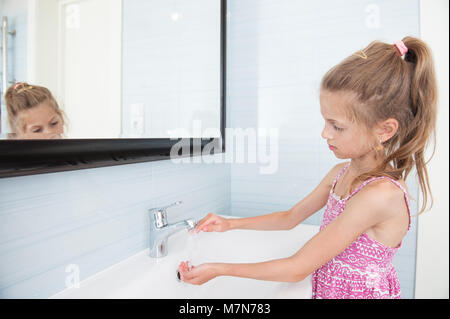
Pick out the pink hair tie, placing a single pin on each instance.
(17, 85)
(401, 47)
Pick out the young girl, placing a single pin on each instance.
(379, 107)
(33, 112)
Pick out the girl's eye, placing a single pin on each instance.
(337, 128)
(37, 130)
(54, 123)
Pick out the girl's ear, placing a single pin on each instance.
(387, 129)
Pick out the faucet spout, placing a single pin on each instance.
(159, 235)
(171, 229)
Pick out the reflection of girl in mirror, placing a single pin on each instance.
(33, 112)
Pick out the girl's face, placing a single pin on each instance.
(345, 138)
(41, 122)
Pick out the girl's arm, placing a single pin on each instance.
(369, 207)
(283, 220)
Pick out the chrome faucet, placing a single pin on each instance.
(160, 230)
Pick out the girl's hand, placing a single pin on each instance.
(213, 223)
(197, 275)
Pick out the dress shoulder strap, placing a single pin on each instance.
(342, 171)
(408, 205)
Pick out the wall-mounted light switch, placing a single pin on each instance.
(137, 119)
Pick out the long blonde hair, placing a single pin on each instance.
(388, 86)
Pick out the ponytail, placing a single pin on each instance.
(424, 97)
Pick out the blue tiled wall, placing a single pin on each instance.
(278, 52)
(93, 218)
(177, 78)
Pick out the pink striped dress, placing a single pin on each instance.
(364, 270)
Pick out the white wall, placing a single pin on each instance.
(91, 67)
(42, 44)
(433, 236)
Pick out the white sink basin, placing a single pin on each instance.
(141, 276)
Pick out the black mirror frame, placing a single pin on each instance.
(31, 157)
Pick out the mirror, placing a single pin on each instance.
(146, 69)
(134, 81)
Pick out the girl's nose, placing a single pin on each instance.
(52, 131)
(54, 136)
(325, 134)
